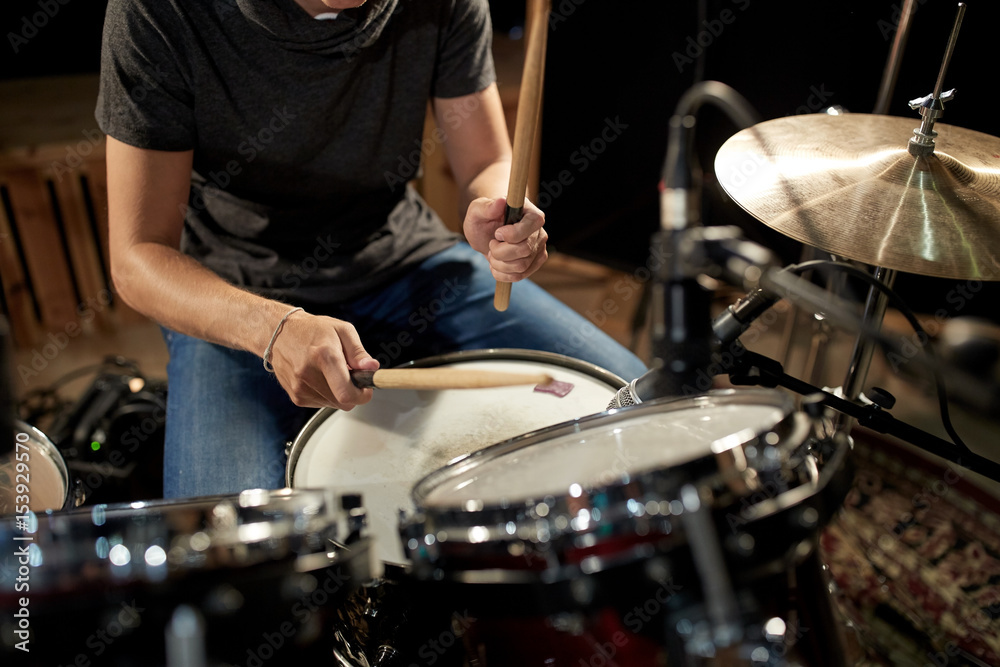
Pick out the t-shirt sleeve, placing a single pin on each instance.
(465, 56)
(145, 99)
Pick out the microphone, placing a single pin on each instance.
(727, 328)
(737, 318)
(681, 333)
(643, 388)
(682, 340)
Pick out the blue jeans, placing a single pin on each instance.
(228, 419)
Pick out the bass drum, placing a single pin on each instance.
(382, 448)
(34, 475)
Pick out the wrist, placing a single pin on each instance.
(275, 333)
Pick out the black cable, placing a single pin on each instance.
(48, 396)
(902, 307)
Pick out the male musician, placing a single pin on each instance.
(257, 158)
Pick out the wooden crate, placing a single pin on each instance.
(54, 266)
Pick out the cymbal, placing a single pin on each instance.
(847, 185)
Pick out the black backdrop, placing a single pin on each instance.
(606, 62)
(613, 65)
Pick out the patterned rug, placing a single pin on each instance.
(916, 556)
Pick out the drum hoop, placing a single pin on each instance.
(797, 514)
(480, 457)
(52, 453)
(295, 447)
(814, 499)
(325, 539)
(491, 521)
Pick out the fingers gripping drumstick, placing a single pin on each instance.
(528, 107)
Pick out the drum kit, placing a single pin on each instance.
(519, 527)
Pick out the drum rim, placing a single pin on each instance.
(295, 447)
(53, 454)
(493, 521)
(247, 499)
(326, 538)
(750, 396)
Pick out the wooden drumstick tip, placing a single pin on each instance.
(501, 297)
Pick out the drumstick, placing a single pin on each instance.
(443, 378)
(528, 108)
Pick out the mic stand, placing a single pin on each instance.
(722, 252)
(682, 327)
(682, 334)
(682, 317)
(751, 368)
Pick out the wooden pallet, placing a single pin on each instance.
(54, 267)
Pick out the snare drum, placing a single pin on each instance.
(261, 572)
(667, 530)
(382, 448)
(34, 472)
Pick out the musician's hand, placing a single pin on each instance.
(312, 359)
(515, 251)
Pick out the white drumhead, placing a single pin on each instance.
(382, 448)
(602, 453)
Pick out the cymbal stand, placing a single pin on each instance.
(922, 144)
(815, 360)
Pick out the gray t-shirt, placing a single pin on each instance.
(304, 131)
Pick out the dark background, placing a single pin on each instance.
(606, 62)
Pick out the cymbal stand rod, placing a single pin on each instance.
(932, 106)
(864, 348)
(877, 303)
(949, 50)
